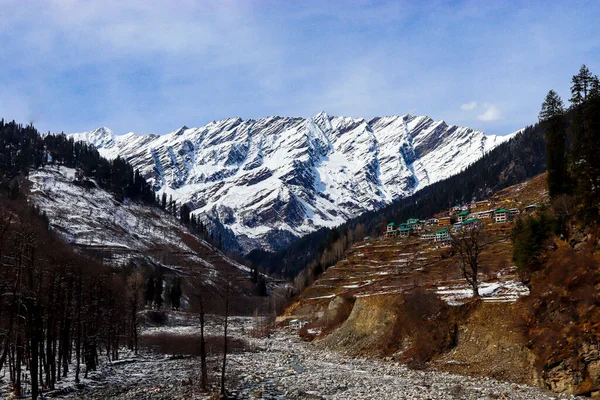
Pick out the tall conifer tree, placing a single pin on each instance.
(552, 118)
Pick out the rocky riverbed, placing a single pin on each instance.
(283, 367)
(287, 368)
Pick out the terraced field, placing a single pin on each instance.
(392, 265)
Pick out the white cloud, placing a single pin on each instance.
(469, 106)
(491, 113)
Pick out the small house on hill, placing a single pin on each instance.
(445, 221)
(485, 214)
(414, 224)
(501, 215)
(530, 208)
(297, 324)
(427, 236)
(514, 211)
(404, 231)
(463, 215)
(472, 223)
(443, 235)
(391, 230)
(483, 203)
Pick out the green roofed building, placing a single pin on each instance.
(501, 215)
(391, 230)
(404, 232)
(442, 235)
(463, 215)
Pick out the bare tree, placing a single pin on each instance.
(195, 282)
(468, 243)
(135, 286)
(225, 323)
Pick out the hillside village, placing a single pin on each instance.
(418, 251)
(439, 227)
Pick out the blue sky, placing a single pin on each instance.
(152, 66)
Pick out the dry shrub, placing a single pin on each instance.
(154, 318)
(561, 313)
(306, 333)
(428, 322)
(262, 325)
(172, 343)
(447, 253)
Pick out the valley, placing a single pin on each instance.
(282, 367)
(180, 219)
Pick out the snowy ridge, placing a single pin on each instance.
(90, 219)
(273, 179)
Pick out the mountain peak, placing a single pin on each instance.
(103, 131)
(329, 168)
(322, 114)
(180, 130)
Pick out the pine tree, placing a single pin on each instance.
(149, 291)
(595, 87)
(585, 149)
(158, 292)
(175, 293)
(184, 214)
(552, 118)
(582, 85)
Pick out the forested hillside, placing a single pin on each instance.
(62, 311)
(22, 148)
(557, 251)
(58, 308)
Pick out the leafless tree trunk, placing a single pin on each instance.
(469, 243)
(225, 322)
(203, 367)
(195, 283)
(135, 285)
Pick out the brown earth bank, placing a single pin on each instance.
(477, 338)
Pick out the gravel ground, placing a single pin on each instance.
(283, 367)
(289, 369)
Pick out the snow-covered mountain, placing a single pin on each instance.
(119, 232)
(269, 180)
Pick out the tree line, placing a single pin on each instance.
(573, 144)
(58, 309)
(573, 175)
(22, 148)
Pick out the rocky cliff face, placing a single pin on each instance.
(267, 181)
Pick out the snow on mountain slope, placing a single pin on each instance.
(91, 220)
(269, 180)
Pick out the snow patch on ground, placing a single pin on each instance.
(507, 291)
